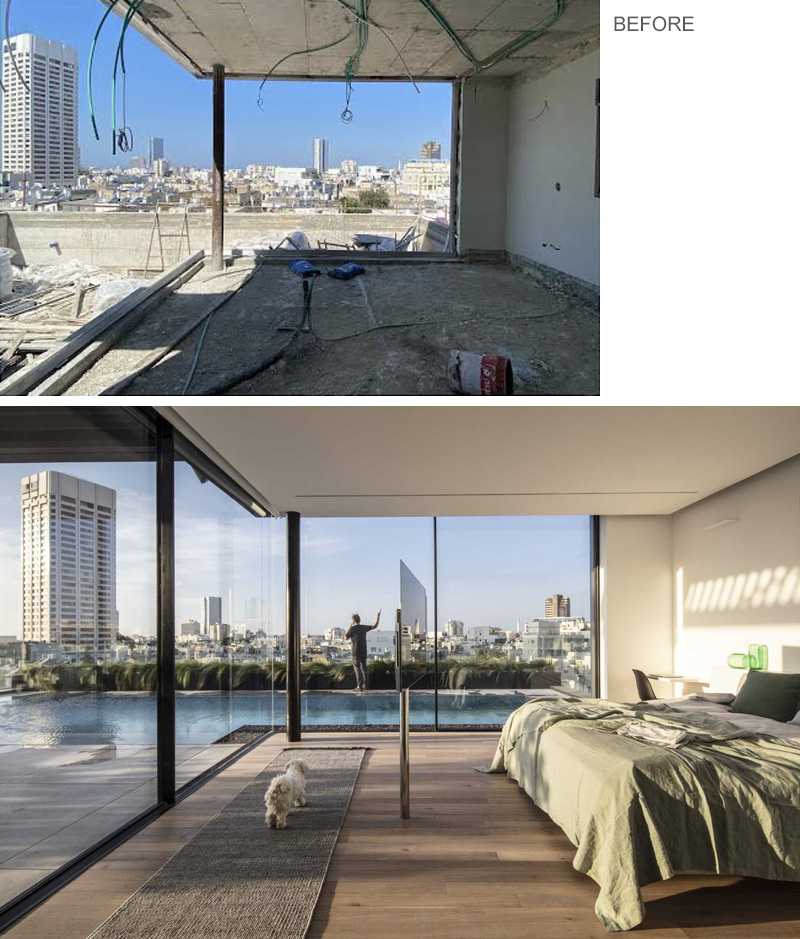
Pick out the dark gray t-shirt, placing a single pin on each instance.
(358, 637)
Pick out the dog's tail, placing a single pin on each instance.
(279, 789)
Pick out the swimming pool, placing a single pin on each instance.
(130, 718)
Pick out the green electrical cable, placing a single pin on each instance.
(517, 44)
(328, 45)
(91, 64)
(362, 12)
(133, 9)
(458, 42)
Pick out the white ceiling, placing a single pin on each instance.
(492, 460)
(249, 36)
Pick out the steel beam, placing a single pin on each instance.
(218, 172)
(293, 729)
(165, 642)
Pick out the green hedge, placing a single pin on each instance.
(476, 672)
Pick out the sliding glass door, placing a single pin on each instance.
(514, 614)
(229, 622)
(78, 580)
(351, 568)
(507, 617)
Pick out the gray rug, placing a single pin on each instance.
(239, 878)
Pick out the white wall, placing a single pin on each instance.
(636, 601)
(484, 113)
(558, 147)
(741, 581)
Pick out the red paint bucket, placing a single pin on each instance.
(470, 373)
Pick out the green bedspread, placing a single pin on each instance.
(724, 800)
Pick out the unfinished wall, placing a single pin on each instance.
(636, 601)
(551, 148)
(120, 240)
(482, 193)
(741, 580)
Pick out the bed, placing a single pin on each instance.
(697, 788)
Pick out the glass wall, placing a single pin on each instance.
(229, 623)
(513, 596)
(514, 603)
(352, 566)
(77, 634)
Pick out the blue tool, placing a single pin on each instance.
(304, 269)
(307, 272)
(346, 271)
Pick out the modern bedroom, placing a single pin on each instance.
(434, 671)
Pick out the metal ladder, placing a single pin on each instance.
(158, 232)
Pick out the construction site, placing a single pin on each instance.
(501, 297)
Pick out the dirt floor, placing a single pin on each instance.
(552, 339)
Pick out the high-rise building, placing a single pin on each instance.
(155, 150)
(40, 121)
(556, 606)
(212, 613)
(219, 631)
(190, 628)
(320, 155)
(454, 628)
(69, 589)
(431, 150)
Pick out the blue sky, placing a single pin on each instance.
(391, 120)
(491, 570)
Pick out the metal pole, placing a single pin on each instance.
(435, 625)
(594, 553)
(292, 627)
(405, 787)
(218, 173)
(165, 641)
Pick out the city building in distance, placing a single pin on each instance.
(212, 613)
(431, 150)
(155, 150)
(320, 155)
(556, 606)
(69, 562)
(40, 121)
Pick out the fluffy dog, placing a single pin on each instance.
(285, 792)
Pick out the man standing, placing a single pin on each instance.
(357, 634)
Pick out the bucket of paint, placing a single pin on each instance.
(6, 273)
(470, 373)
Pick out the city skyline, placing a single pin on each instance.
(391, 118)
(492, 571)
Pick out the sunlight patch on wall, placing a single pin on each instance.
(771, 587)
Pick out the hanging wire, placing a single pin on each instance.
(328, 45)
(119, 138)
(91, 63)
(386, 35)
(362, 9)
(25, 85)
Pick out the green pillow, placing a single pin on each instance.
(769, 694)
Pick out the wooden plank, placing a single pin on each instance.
(68, 374)
(24, 381)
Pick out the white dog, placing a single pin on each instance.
(285, 792)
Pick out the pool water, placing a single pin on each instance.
(48, 720)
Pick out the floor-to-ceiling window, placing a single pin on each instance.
(351, 567)
(229, 622)
(502, 612)
(77, 635)
(515, 620)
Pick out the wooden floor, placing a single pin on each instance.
(477, 860)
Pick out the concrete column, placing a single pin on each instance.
(218, 172)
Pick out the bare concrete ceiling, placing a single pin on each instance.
(249, 36)
(485, 460)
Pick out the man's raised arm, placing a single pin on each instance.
(377, 620)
